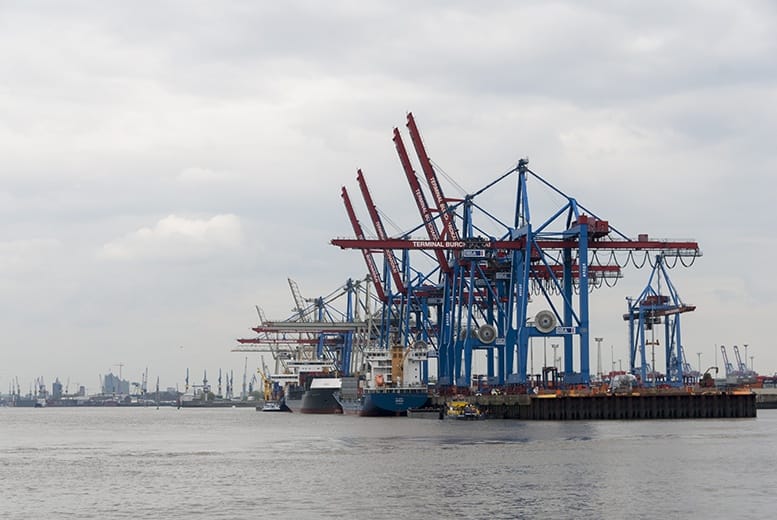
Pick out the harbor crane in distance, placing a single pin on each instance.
(300, 303)
(143, 383)
(743, 373)
(333, 336)
(260, 314)
(741, 367)
(730, 372)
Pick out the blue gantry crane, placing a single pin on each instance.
(730, 370)
(658, 304)
(325, 328)
(498, 283)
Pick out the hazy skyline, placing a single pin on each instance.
(166, 166)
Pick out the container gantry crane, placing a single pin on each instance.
(400, 305)
(397, 295)
(730, 372)
(652, 308)
(741, 367)
(488, 279)
(333, 337)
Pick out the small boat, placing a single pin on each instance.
(463, 411)
(273, 406)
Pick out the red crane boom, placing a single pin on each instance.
(420, 200)
(449, 226)
(368, 259)
(381, 231)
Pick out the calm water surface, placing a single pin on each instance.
(238, 463)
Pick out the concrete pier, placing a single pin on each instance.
(765, 398)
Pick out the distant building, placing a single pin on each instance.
(114, 385)
(56, 389)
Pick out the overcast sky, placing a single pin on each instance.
(166, 165)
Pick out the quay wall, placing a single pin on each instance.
(765, 398)
(615, 407)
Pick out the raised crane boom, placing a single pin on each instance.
(260, 312)
(727, 363)
(449, 226)
(420, 200)
(742, 367)
(368, 258)
(299, 301)
(381, 232)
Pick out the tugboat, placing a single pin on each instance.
(273, 406)
(463, 411)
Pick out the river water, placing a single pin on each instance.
(114, 463)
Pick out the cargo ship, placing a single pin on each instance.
(392, 385)
(310, 387)
(382, 402)
(317, 398)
